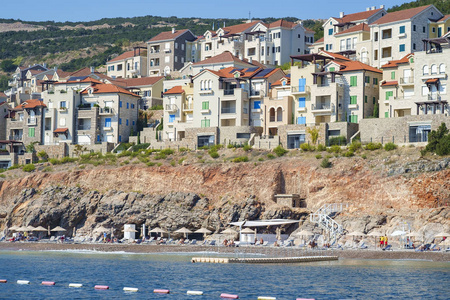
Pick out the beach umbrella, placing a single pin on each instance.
(398, 233)
(129, 229)
(355, 233)
(39, 228)
(247, 231)
(205, 231)
(183, 230)
(14, 228)
(442, 234)
(58, 228)
(229, 231)
(23, 228)
(158, 230)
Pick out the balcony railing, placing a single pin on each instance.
(84, 127)
(406, 80)
(434, 97)
(320, 106)
(15, 137)
(304, 89)
(228, 110)
(154, 51)
(188, 106)
(106, 111)
(255, 93)
(228, 92)
(171, 107)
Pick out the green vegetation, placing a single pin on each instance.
(318, 156)
(355, 146)
(321, 147)
(442, 5)
(438, 141)
(390, 146)
(325, 163)
(42, 155)
(313, 133)
(307, 147)
(280, 151)
(29, 168)
(334, 149)
(247, 147)
(157, 107)
(240, 159)
(373, 146)
(349, 153)
(337, 140)
(270, 156)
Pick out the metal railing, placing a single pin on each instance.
(188, 106)
(434, 97)
(171, 107)
(228, 110)
(405, 80)
(106, 110)
(320, 106)
(304, 89)
(228, 92)
(83, 127)
(323, 218)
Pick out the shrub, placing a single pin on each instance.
(173, 163)
(307, 147)
(68, 159)
(364, 156)
(183, 149)
(318, 156)
(29, 168)
(42, 155)
(280, 151)
(160, 156)
(349, 153)
(240, 159)
(247, 147)
(124, 153)
(334, 149)
(337, 140)
(321, 147)
(354, 146)
(167, 151)
(180, 161)
(126, 162)
(260, 159)
(230, 146)
(54, 161)
(136, 148)
(270, 156)
(150, 164)
(438, 141)
(213, 153)
(390, 146)
(325, 163)
(373, 146)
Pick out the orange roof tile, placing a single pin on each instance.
(32, 103)
(359, 27)
(432, 80)
(319, 41)
(61, 130)
(364, 15)
(310, 30)
(131, 82)
(2, 95)
(109, 89)
(124, 55)
(395, 63)
(224, 57)
(168, 35)
(239, 28)
(443, 18)
(400, 15)
(389, 83)
(351, 65)
(85, 80)
(279, 82)
(282, 23)
(175, 90)
(336, 56)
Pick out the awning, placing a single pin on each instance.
(388, 83)
(263, 223)
(61, 130)
(432, 80)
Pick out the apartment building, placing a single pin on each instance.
(150, 89)
(348, 34)
(397, 88)
(269, 44)
(25, 122)
(329, 87)
(223, 60)
(166, 52)
(398, 33)
(129, 64)
(20, 85)
(178, 112)
(439, 27)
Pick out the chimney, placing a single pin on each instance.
(374, 7)
(368, 8)
(92, 70)
(240, 56)
(250, 59)
(173, 29)
(382, 6)
(341, 14)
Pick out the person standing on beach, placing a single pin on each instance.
(381, 241)
(385, 241)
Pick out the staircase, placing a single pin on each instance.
(324, 217)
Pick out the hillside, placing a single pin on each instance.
(442, 5)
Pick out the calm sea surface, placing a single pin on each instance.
(343, 279)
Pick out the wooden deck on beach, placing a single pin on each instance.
(262, 260)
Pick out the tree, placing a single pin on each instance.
(314, 134)
(8, 65)
(438, 141)
(79, 149)
(376, 111)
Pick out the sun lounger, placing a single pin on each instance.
(257, 243)
(193, 242)
(212, 243)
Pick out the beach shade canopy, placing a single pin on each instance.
(203, 230)
(442, 234)
(23, 228)
(184, 231)
(247, 231)
(398, 233)
(229, 231)
(158, 230)
(414, 234)
(101, 229)
(14, 228)
(129, 229)
(305, 233)
(445, 243)
(30, 228)
(356, 233)
(58, 228)
(375, 233)
(40, 228)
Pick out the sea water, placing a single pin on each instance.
(343, 279)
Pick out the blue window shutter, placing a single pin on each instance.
(127, 122)
(301, 84)
(98, 138)
(302, 102)
(256, 104)
(120, 121)
(120, 103)
(120, 138)
(108, 122)
(301, 120)
(128, 105)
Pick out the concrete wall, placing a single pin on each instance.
(53, 151)
(346, 129)
(285, 130)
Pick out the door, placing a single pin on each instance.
(110, 139)
(407, 76)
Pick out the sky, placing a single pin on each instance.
(90, 10)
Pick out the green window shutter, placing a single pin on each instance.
(386, 114)
(387, 95)
(332, 69)
(205, 105)
(353, 99)
(373, 99)
(207, 123)
(30, 132)
(353, 81)
(365, 99)
(367, 79)
(375, 81)
(393, 75)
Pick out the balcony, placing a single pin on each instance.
(407, 80)
(188, 106)
(205, 91)
(154, 51)
(106, 111)
(434, 97)
(256, 94)
(228, 110)
(171, 107)
(296, 90)
(301, 109)
(62, 109)
(322, 108)
(228, 92)
(353, 106)
(167, 50)
(31, 121)
(84, 127)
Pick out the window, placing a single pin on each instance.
(433, 69)
(374, 100)
(176, 45)
(182, 46)
(353, 99)
(425, 70)
(442, 69)
(423, 29)
(120, 103)
(402, 48)
(132, 105)
(120, 138)
(386, 114)
(330, 31)
(365, 99)
(128, 105)
(205, 123)
(171, 118)
(176, 58)
(301, 84)
(393, 75)
(167, 59)
(419, 133)
(389, 94)
(256, 104)
(425, 90)
(375, 81)
(30, 132)
(375, 55)
(433, 30)
(112, 68)
(354, 40)
(120, 121)
(414, 46)
(367, 79)
(386, 34)
(353, 119)
(295, 140)
(414, 27)
(301, 120)
(443, 89)
(302, 102)
(205, 105)
(107, 122)
(98, 138)
(353, 81)
(342, 45)
(134, 123)
(119, 67)
(298, 35)
(332, 69)
(127, 123)
(402, 29)
(62, 104)
(376, 36)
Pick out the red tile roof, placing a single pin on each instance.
(280, 81)
(168, 35)
(124, 55)
(109, 89)
(443, 18)
(351, 65)
(282, 23)
(87, 79)
(62, 74)
(389, 83)
(239, 28)
(61, 130)
(357, 16)
(395, 63)
(175, 90)
(32, 103)
(359, 27)
(336, 56)
(224, 57)
(319, 41)
(132, 82)
(432, 80)
(309, 30)
(400, 15)
(2, 95)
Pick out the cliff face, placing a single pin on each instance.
(215, 194)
